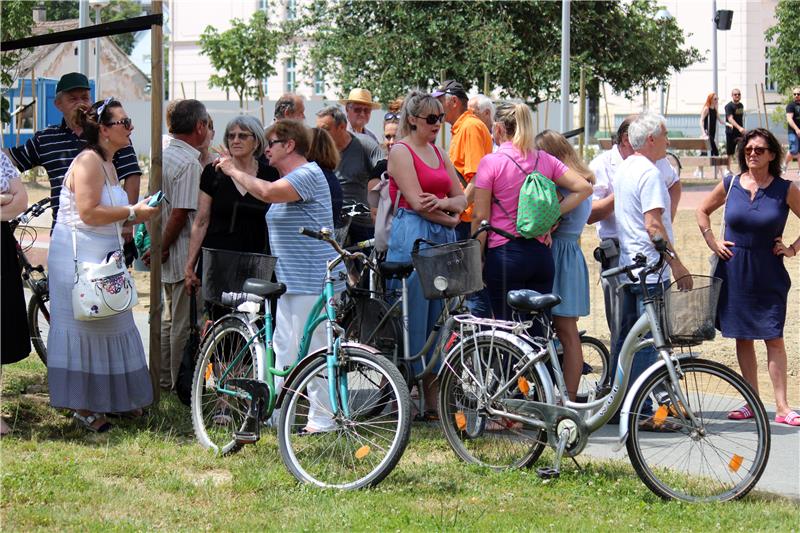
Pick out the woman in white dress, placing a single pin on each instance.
(94, 367)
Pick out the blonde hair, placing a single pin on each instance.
(416, 104)
(559, 147)
(518, 123)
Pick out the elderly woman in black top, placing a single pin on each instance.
(228, 217)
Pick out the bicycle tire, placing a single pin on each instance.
(730, 455)
(361, 325)
(473, 435)
(361, 449)
(595, 368)
(675, 162)
(215, 416)
(39, 324)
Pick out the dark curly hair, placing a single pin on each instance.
(90, 121)
(772, 145)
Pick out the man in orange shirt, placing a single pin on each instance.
(470, 141)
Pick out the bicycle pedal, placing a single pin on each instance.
(245, 437)
(548, 473)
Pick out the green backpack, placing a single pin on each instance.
(538, 208)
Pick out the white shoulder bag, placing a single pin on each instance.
(101, 289)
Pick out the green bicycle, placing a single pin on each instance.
(361, 394)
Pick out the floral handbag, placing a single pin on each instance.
(102, 289)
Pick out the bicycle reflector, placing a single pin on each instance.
(735, 463)
(362, 452)
(661, 415)
(524, 386)
(461, 420)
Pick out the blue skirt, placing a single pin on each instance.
(572, 277)
(407, 226)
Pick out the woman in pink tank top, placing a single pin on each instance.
(429, 208)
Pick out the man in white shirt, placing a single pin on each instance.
(642, 209)
(604, 167)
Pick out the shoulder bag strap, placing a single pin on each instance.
(494, 198)
(727, 194)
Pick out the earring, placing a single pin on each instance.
(413, 127)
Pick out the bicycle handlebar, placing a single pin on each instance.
(234, 299)
(326, 235)
(354, 210)
(485, 226)
(640, 261)
(34, 210)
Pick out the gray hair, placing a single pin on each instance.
(647, 124)
(286, 105)
(185, 116)
(251, 124)
(335, 112)
(482, 103)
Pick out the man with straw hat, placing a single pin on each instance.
(358, 106)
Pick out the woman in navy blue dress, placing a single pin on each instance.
(752, 304)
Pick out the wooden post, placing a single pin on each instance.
(605, 101)
(36, 105)
(21, 100)
(442, 74)
(261, 100)
(154, 185)
(486, 84)
(758, 107)
(764, 104)
(582, 109)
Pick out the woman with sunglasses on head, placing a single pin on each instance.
(391, 123)
(228, 217)
(752, 302)
(429, 207)
(98, 366)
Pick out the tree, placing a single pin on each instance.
(16, 20)
(243, 55)
(784, 58)
(392, 46)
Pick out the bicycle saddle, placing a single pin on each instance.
(263, 288)
(391, 270)
(529, 301)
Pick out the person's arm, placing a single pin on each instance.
(132, 187)
(276, 192)
(481, 211)
(713, 201)
(601, 209)
(579, 188)
(199, 229)
(731, 121)
(18, 203)
(793, 199)
(675, 191)
(791, 122)
(655, 229)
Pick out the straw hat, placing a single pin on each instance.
(360, 96)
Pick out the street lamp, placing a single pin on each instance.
(97, 5)
(663, 16)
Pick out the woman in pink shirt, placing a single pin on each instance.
(520, 263)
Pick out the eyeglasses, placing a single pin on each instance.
(432, 119)
(391, 116)
(795, 94)
(126, 122)
(361, 110)
(273, 142)
(241, 135)
(758, 150)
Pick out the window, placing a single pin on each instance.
(263, 5)
(769, 84)
(290, 75)
(291, 9)
(319, 82)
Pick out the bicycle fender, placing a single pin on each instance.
(515, 340)
(310, 358)
(632, 390)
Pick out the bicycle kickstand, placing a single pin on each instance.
(554, 471)
(259, 392)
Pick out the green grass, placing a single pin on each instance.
(151, 475)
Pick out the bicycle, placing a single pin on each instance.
(234, 390)
(499, 406)
(34, 277)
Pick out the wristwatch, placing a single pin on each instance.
(131, 214)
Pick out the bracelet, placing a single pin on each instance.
(706, 231)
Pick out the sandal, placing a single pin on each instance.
(430, 415)
(664, 426)
(791, 419)
(742, 413)
(90, 421)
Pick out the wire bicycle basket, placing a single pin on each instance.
(448, 270)
(690, 314)
(227, 270)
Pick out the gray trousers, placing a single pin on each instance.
(612, 297)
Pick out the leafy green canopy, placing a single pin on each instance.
(784, 57)
(243, 55)
(390, 47)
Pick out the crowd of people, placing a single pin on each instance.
(254, 194)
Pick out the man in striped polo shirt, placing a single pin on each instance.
(56, 146)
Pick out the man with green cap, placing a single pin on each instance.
(56, 146)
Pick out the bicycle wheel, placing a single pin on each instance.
(714, 460)
(328, 448)
(595, 366)
(675, 162)
(39, 324)
(216, 411)
(475, 435)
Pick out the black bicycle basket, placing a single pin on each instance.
(226, 271)
(690, 314)
(447, 270)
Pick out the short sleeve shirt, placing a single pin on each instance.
(498, 174)
(357, 165)
(737, 110)
(55, 147)
(470, 142)
(794, 109)
(302, 260)
(639, 188)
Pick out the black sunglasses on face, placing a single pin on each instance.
(432, 119)
(273, 142)
(126, 123)
(391, 116)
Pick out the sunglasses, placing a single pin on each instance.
(736, 94)
(758, 150)
(432, 119)
(361, 110)
(273, 142)
(391, 116)
(795, 94)
(241, 135)
(127, 123)
(389, 137)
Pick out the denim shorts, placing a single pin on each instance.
(794, 143)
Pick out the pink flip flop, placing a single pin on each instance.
(791, 419)
(742, 413)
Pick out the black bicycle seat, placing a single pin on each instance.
(263, 288)
(529, 301)
(391, 270)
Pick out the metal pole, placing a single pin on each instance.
(154, 185)
(582, 110)
(565, 5)
(714, 84)
(97, 56)
(83, 44)
(486, 84)
(442, 74)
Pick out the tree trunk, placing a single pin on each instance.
(593, 120)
